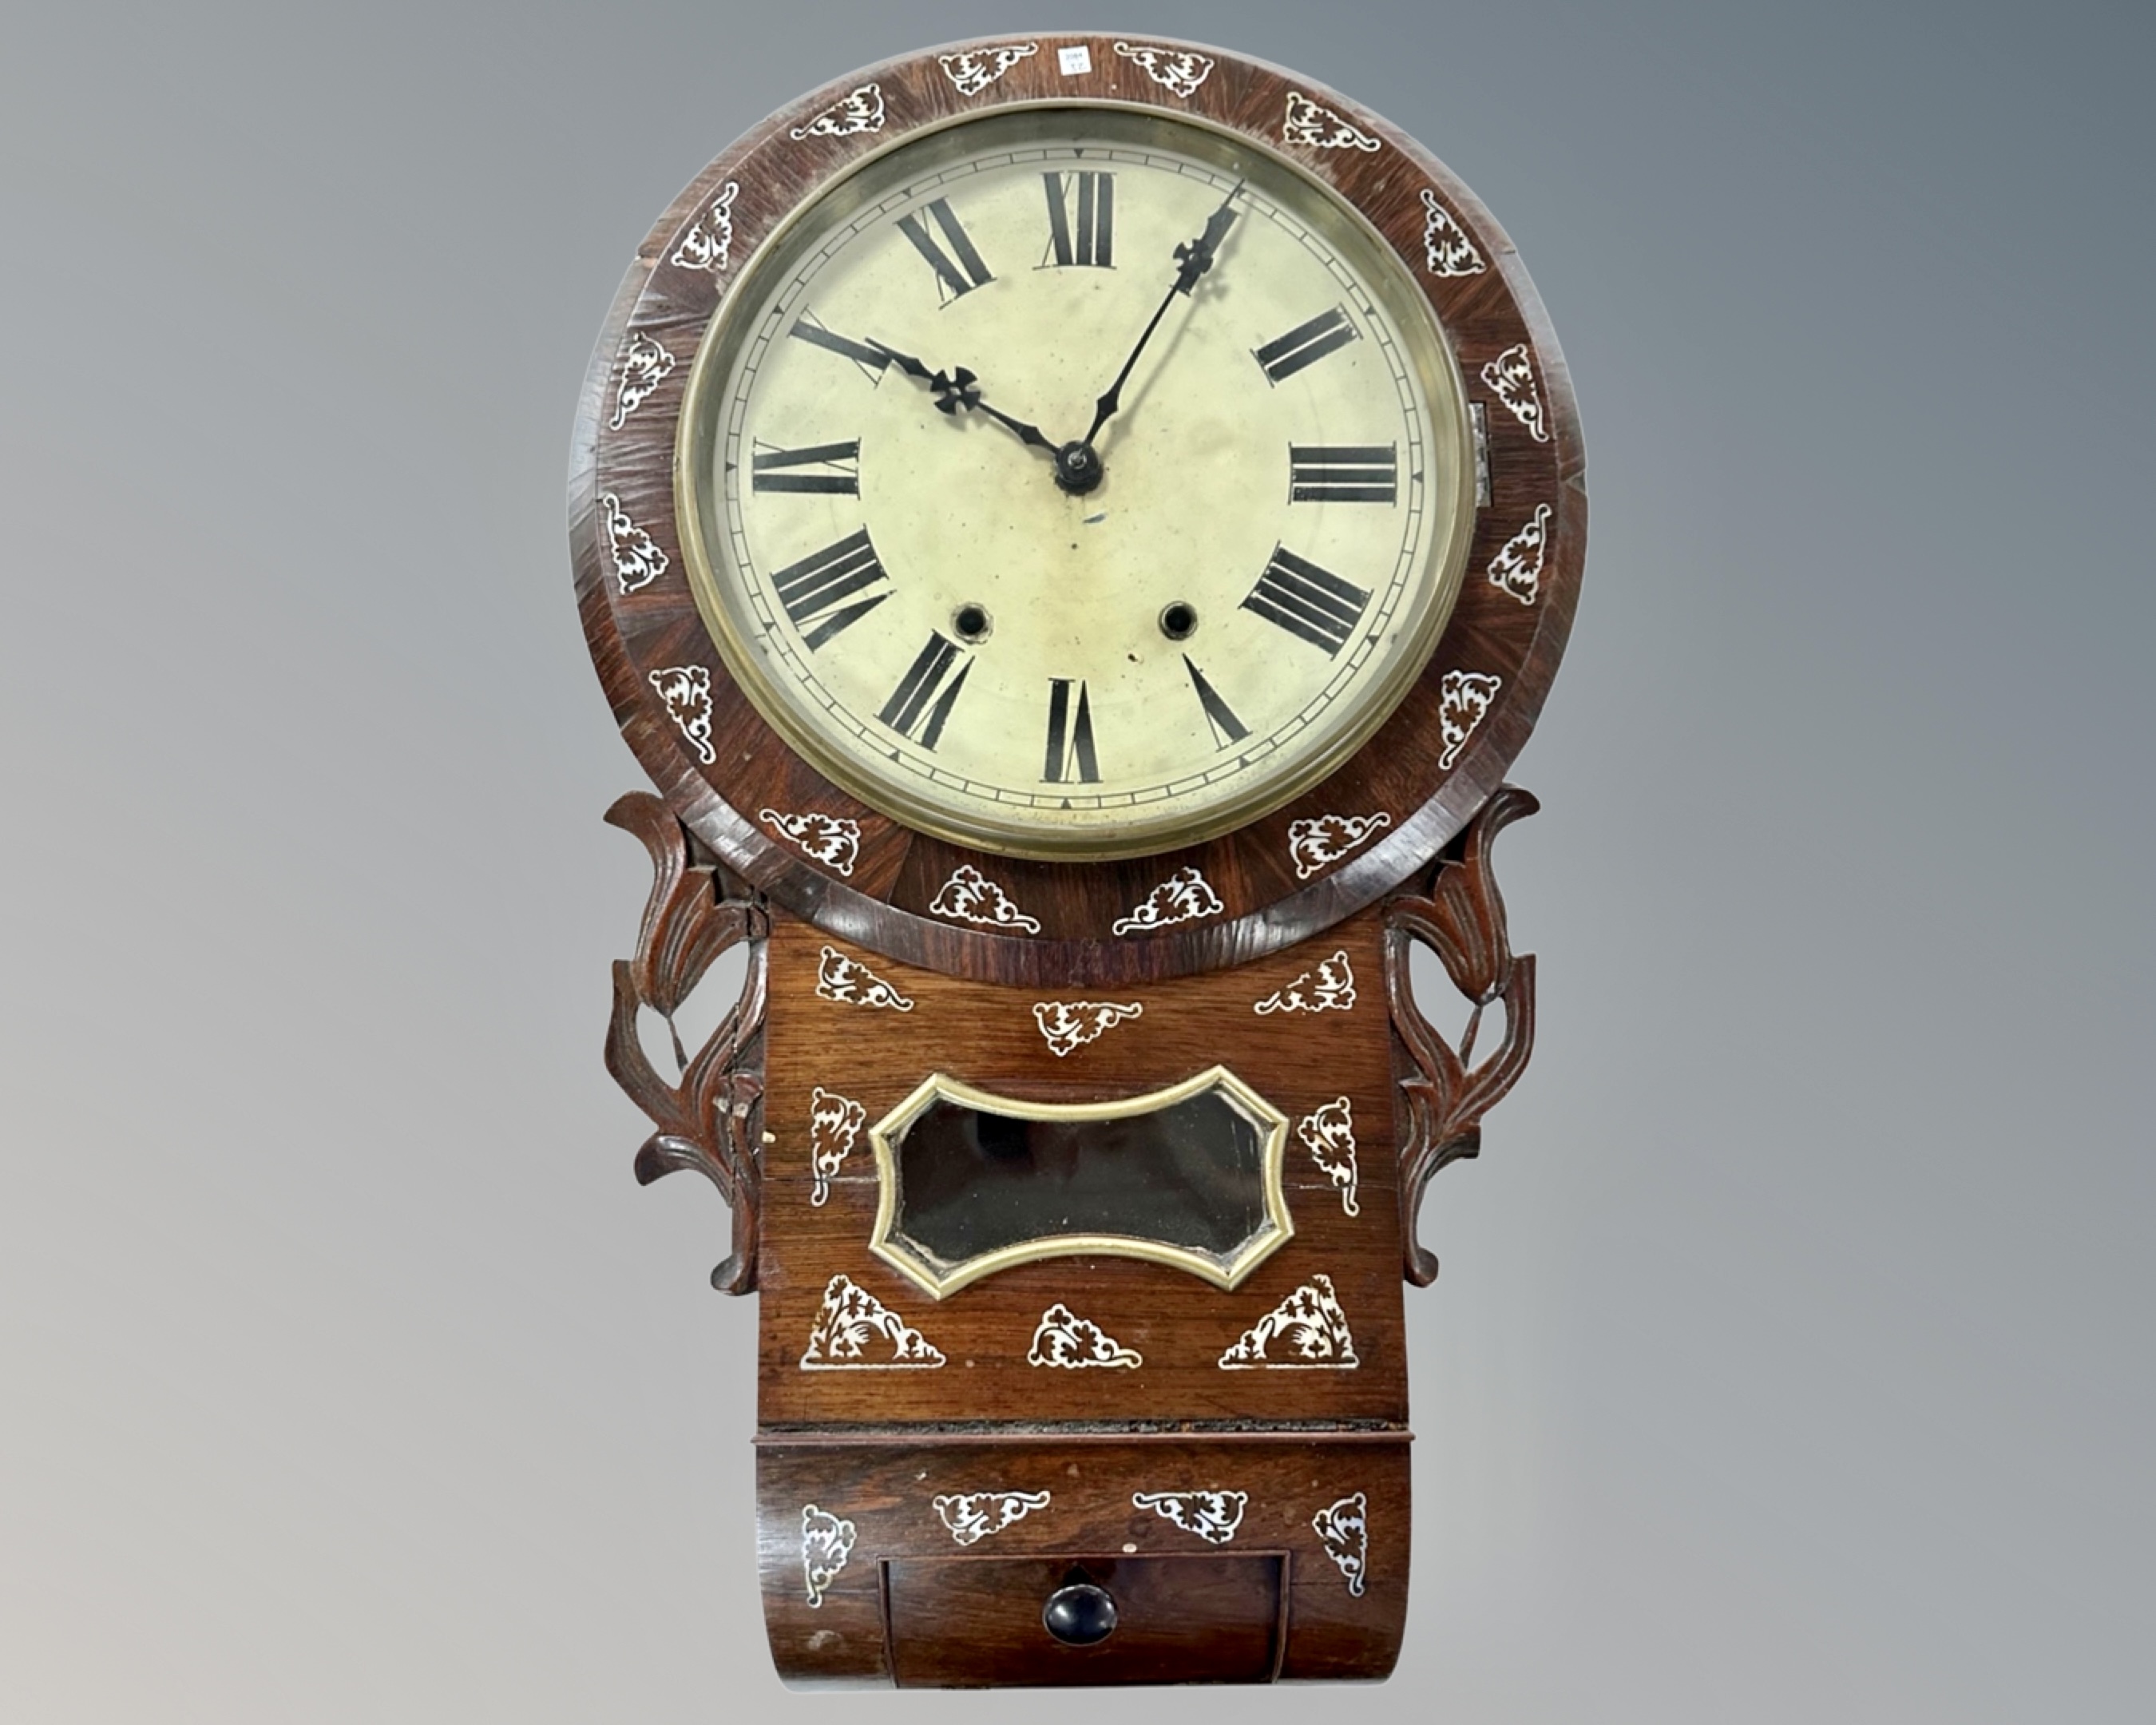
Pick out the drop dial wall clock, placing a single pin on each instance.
(1076, 529)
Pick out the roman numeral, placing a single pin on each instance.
(1226, 727)
(872, 360)
(922, 702)
(1070, 735)
(817, 591)
(1306, 344)
(953, 277)
(1308, 601)
(1082, 218)
(769, 468)
(1343, 473)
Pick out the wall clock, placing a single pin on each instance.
(1076, 529)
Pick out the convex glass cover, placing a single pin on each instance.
(1075, 482)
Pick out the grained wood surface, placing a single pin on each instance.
(1181, 1324)
(886, 1488)
(881, 897)
(876, 1446)
(872, 1449)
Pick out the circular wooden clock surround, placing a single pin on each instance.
(1427, 769)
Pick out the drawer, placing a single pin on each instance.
(960, 1621)
(926, 1559)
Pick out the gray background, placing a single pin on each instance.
(1792, 1357)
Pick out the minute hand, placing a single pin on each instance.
(1196, 258)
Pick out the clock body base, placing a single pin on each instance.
(1218, 1465)
(1085, 1464)
(1225, 1557)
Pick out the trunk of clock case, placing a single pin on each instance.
(864, 1578)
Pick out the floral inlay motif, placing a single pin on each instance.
(1318, 127)
(1069, 1024)
(1307, 1329)
(1212, 1515)
(853, 983)
(1446, 248)
(834, 1124)
(1065, 1339)
(974, 70)
(1345, 1529)
(973, 1516)
(1328, 988)
(709, 243)
(857, 111)
(637, 560)
(970, 896)
(1176, 70)
(644, 365)
(1519, 567)
(832, 840)
(686, 692)
(856, 1332)
(1184, 896)
(1328, 1134)
(1512, 375)
(1315, 845)
(1463, 699)
(826, 1543)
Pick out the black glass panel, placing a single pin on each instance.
(1189, 1175)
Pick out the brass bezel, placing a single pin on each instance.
(1141, 832)
(1229, 1274)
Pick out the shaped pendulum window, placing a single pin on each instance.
(972, 1184)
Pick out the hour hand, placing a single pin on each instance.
(951, 393)
(904, 362)
(960, 387)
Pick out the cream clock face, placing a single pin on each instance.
(1076, 483)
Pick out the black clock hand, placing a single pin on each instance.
(961, 388)
(1195, 258)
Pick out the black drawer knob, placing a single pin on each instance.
(1079, 1615)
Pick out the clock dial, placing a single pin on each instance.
(1074, 482)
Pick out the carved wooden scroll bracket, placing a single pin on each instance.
(1461, 918)
(711, 1117)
